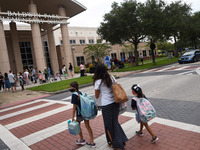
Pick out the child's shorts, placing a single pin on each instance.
(79, 118)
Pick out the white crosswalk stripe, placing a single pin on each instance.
(18, 106)
(24, 111)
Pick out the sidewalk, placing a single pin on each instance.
(42, 125)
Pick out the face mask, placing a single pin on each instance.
(133, 93)
(72, 90)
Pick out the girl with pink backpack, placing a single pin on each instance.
(144, 111)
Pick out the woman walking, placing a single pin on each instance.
(115, 135)
(7, 83)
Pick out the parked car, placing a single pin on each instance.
(190, 56)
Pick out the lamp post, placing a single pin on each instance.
(73, 49)
(152, 46)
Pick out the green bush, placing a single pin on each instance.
(77, 69)
(87, 70)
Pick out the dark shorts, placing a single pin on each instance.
(70, 70)
(79, 118)
(13, 84)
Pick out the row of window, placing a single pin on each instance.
(91, 41)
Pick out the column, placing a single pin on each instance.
(52, 49)
(37, 41)
(65, 38)
(4, 58)
(16, 49)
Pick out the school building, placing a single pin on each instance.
(46, 39)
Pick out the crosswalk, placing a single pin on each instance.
(188, 70)
(33, 123)
(42, 125)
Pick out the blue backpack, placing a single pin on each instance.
(88, 106)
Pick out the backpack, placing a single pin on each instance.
(88, 106)
(145, 111)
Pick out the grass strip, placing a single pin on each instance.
(147, 64)
(61, 85)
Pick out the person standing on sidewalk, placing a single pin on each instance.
(141, 58)
(142, 106)
(21, 80)
(116, 138)
(7, 83)
(12, 81)
(71, 69)
(1, 82)
(82, 69)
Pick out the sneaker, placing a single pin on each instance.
(139, 133)
(154, 139)
(91, 145)
(80, 142)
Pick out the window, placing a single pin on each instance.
(72, 41)
(91, 41)
(80, 59)
(144, 53)
(150, 53)
(114, 55)
(26, 54)
(122, 54)
(93, 60)
(82, 41)
(130, 54)
(46, 53)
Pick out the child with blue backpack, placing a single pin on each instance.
(79, 118)
(144, 111)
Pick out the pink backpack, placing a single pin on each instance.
(145, 111)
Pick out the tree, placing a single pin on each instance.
(165, 46)
(176, 13)
(99, 50)
(154, 21)
(191, 34)
(123, 24)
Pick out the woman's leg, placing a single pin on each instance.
(148, 129)
(87, 125)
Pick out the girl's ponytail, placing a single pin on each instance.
(136, 88)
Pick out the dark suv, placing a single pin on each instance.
(190, 56)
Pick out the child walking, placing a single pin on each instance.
(144, 111)
(21, 81)
(76, 103)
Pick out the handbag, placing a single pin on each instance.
(119, 93)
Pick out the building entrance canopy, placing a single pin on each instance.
(72, 7)
(47, 12)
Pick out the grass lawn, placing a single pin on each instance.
(147, 64)
(61, 85)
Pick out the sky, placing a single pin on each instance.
(97, 8)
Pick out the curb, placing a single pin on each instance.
(66, 90)
(24, 101)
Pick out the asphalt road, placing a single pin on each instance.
(175, 93)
